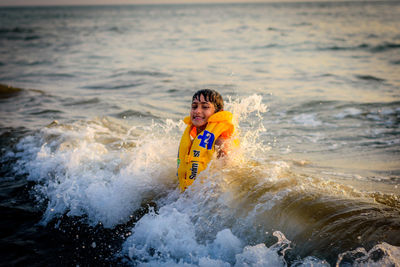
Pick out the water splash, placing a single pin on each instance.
(98, 169)
(104, 170)
(380, 255)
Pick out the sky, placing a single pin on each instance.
(114, 2)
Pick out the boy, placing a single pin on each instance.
(208, 126)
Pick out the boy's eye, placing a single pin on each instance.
(202, 106)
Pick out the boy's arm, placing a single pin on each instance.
(221, 147)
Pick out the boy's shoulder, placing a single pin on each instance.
(221, 116)
(187, 120)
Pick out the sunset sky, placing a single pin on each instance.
(112, 2)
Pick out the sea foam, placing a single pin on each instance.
(102, 171)
(78, 173)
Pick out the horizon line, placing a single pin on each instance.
(195, 2)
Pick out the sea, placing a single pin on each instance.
(91, 106)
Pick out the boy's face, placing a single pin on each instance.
(201, 111)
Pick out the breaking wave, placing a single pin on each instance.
(248, 210)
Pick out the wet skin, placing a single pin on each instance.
(200, 112)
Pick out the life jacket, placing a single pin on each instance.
(194, 156)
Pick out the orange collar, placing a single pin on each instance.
(193, 132)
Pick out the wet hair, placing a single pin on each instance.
(211, 96)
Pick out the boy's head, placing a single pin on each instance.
(211, 96)
(205, 103)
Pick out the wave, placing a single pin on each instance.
(90, 101)
(16, 30)
(99, 190)
(342, 110)
(380, 255)
(32, 37)
(134, 113)
(139, 73)
(46, 111)
(113, 87)
(254, 210)
(61, 150)
(231, 209)
(49, 75)
(35, 62)
(267, 46)
(313, 105)
(19, 33)
(302, 24)
(116, 29)
(370, 78)
(386, 46)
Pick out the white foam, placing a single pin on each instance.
(244, 107)
(307, 120)
(170, 233)
(311, 262)
(80, 175)
(202, 228)
(382, 254)
(196, 228)
(248, 120)
(259, 255)
(169, 238)
(348, 112)
(104, 170)
(374, 117)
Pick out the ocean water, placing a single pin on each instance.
(91, 102)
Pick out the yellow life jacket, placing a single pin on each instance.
(194, 156)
